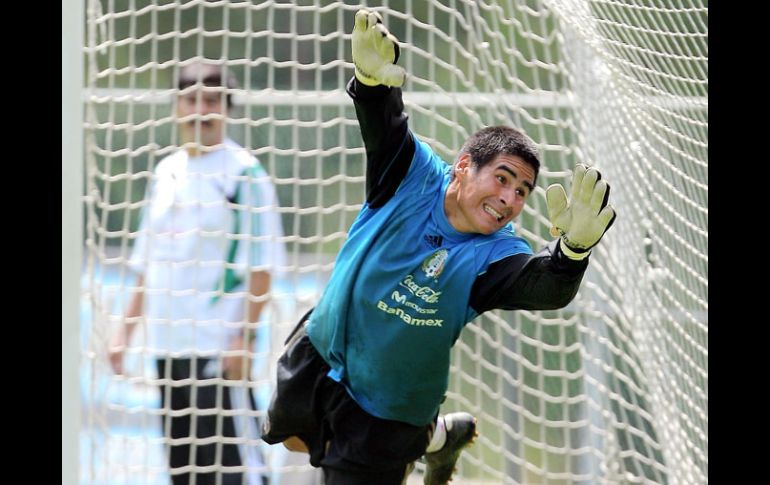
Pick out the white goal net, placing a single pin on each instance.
(611, 389)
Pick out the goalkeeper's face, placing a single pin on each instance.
(201, 115)
(484, 199)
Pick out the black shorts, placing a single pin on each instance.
(317, 409)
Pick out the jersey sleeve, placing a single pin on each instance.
(261, 247)
(546, 280)
(389, 144)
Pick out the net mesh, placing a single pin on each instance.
(612, 388)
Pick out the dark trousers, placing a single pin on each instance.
(196, 414)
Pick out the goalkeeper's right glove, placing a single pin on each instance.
(583, 220)
(375, 51)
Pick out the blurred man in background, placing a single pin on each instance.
(208, 240)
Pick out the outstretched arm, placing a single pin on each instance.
(376, 94)
(550, 279)
(546, 280)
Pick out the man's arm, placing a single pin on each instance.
(262, 254)
(385, 131)
(544, 281)
(259, 285)
(550, 279)
(237, 365)
(121, 338)
(376, 94)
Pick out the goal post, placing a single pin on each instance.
(72, 233)
(611, 389)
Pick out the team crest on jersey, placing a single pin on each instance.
(434, 264)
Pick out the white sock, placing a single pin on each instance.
(439, 436)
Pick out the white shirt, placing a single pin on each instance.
(184, 239)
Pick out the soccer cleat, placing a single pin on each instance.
(460, 432)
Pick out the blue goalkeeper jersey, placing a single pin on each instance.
(398, 297)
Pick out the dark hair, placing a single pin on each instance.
(207, 75)
(487, 143)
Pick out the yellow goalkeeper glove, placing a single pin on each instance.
(582, 221)
(375, 51)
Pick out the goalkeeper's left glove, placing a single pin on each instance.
(375, 51)
(583, 220)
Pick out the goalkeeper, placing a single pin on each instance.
(364, 373)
